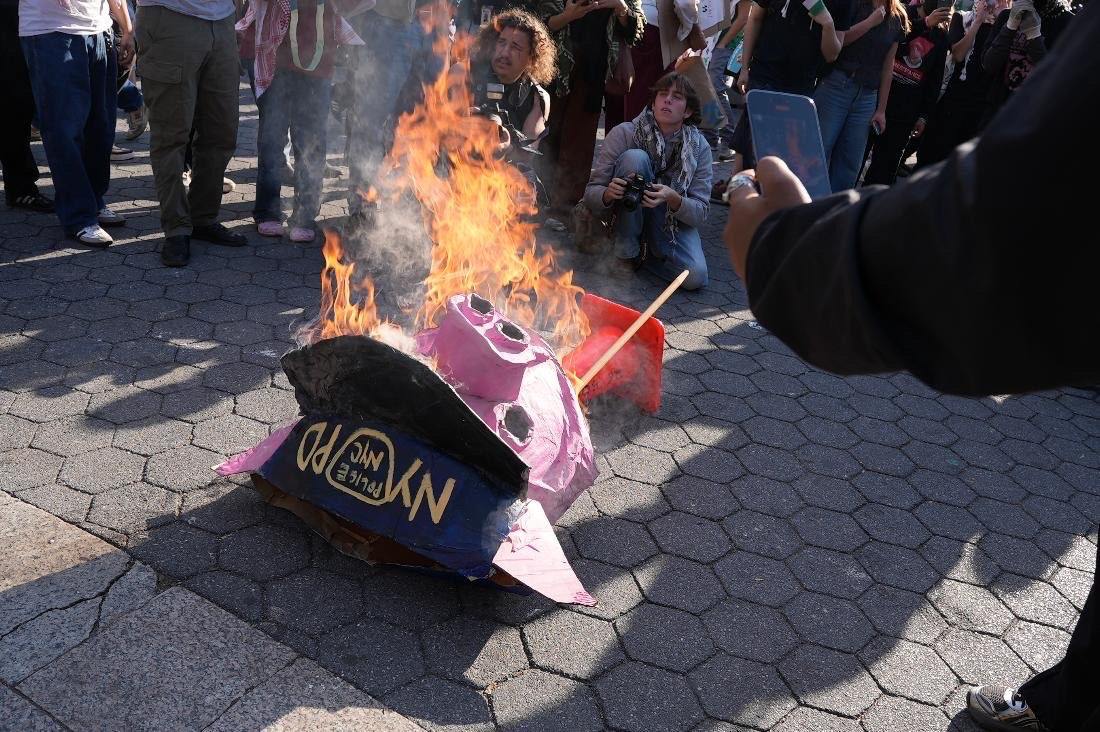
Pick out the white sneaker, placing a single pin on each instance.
(187, 179)
(107, 217)
(94, 236)
(228, 186)
(119, 154)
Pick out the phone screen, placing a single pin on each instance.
(786, 126)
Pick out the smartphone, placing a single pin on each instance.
(786, 126)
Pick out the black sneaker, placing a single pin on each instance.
(1002, 708)
(176, 251)
(218, 234)
(32, 202)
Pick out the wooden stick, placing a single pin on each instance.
(629, 332)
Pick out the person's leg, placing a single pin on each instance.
(574, 163)
(274, 105)
(629, 225)
(380, 71)
(99, 131)
(717, 69)
(16, 158)
(172, 51)
(670, 255)
(888, 151)
(851, 142)
(833, 99)
(1064, 697)
(216, 117)
(649, 65)
(58, 65)
(309, 121)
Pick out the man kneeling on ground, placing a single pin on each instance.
(662, 149)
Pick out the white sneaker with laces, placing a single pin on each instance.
(94, 236)
(107, 217)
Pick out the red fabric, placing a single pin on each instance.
(648, 67)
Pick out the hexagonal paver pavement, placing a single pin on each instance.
(776, 548)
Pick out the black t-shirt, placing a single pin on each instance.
(969, 80)
(918, 69)
(863, 59)
(788, 50)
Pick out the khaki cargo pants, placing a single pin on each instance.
(190, 73)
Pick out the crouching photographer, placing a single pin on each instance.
(654, 175)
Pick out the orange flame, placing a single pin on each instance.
(474, 205)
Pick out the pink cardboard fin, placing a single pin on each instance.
(531, 553)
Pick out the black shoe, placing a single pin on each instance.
(218, 234)
(32, 202)
(176, 251)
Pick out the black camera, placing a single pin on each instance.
(635, 188)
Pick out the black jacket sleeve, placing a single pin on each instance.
(996, 51)
(979, 274)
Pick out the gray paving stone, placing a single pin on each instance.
(960, 561)
(829, 680)
(264, 552)
(474, 651)
(975, 657)
(708, 463)
(176, 662)
(828, 407)
(182, 469)
(239, 595)
(1007, 518)
(690, 536)
(129, 592)
(229, 434)
(765, 495)
(767, 535)
(828, 529)
(970, 608)
(756, 578)
(313, 601)
(305, 696)
(714, 432)
(614, 541)
(897, 566)
(828, 621)
(774, 433)
(48, 404)
(805, 719)
(671, 639)
(39, 641)
(1040, 646)
(16, 713)
(642, 464)
(536, 700)
(891, 525)
(1017, 556)
(947, 521)
(375, 656)
(65, 503)
(133, 507)
(390, 593)
(698, 497)
(887, 490)
(893, 714)
(27, 468)
(615, 589)
(902, 614)
(830, 493)
(679, 583)
(1057, 515)
(619, 498)
(1036, 601)
(15, 433)
(827, 432)
(101, 470)
(828, 461)
(658, 435)
(769, 462)
(1042, 482)
(439, 705)
(742, 692)
(884, 459)
(980, 455)
(222, 508)
(127, 404)
(1074, 585)
(947, 489)
(829, 572)
(152, 435)
(572, 644)
(909, 669)
(176, 549)
(751, 631)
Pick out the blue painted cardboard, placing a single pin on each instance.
(388, 482)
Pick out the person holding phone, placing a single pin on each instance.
(914, 89)
(986, 296)
(653, 175)
(851, 99)
(957, 116)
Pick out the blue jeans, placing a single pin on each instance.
(845, 109)
(669, 255)
(129, 97)
(73, 79)
(298, 104)
(723, 88)
(378, 75)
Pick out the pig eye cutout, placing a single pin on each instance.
(518, 423)
(480, 304)
(511, 331)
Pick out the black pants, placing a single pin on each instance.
(1064, 697)
(16, 159)
(888, 150)
(952, 123)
